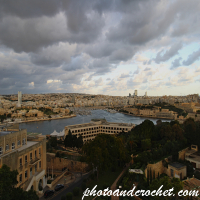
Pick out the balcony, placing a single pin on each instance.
(35, 160)
(20, 168)
(26, 164)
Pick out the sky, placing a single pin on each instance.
(110, 47)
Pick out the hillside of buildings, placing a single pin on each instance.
(36, 107)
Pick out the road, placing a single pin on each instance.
(69, 187)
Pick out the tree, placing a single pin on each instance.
(178, 131)
(7, 182)
(68, 139)
(167, 184)
(76, 191)
(8, 189)
(53, 141)
(131, 141)
(146, 144)
(105, 151)
(150, 176)
(63, 198)
(79, 141)
(69, 196)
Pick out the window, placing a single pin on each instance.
(40, 164)
(39, 151)
(13, 146)
(7, 147)
(31, 171)
(24, 141)
(30, 156)
(36, 168)
(20, 178)
(20, 162)
(1, 150)
(26, 159)
(172, 173)
(26, 174)
(35, 153)
(18, 143)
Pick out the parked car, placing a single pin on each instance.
(48, 193)
(58, 187)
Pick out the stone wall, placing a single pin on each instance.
(157, 167)
(60, 163)
(181, 154)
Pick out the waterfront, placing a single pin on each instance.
(47, 127)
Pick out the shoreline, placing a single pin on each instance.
(37, 120)
(65, 117)
(142, 116)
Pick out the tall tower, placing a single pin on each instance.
(73, 98)
(145, 94)
(136, 93)
(19, 98)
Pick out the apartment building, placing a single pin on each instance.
(97, 126)
(193, 156)
(25, 154)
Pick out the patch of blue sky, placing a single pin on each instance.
(188, 49)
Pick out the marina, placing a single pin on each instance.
(48, 127)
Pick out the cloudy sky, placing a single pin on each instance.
(100, 46)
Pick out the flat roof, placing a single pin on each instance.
(28, 144)
(2, 133)
(102, 124)
(177, 165)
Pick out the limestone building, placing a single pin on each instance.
(97, 126)
(19, 98)
(25, 154)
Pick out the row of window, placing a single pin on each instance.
(103, 131)
(31, 157)
(13, 145)
(112, 128)
(26, 172)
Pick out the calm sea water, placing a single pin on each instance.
(47, 127)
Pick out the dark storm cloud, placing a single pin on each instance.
(142, 24)
(76, 63)
(122, 54)
(29, 8)
(66, 39)
(192, 58)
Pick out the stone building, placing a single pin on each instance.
(97, 126)
(177, 170)
(25, 154)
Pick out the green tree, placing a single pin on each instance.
(69, 196)
(68, 139)
(63, 198)
(7, 182)
(167, 184)
(79, 142)
(76, 191)
(105, 151)
(8, 189)
(53, 141)
(146, 144)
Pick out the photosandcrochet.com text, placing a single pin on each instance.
(133, 192)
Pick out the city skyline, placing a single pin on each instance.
(93, 47)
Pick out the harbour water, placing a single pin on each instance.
(47, 127)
